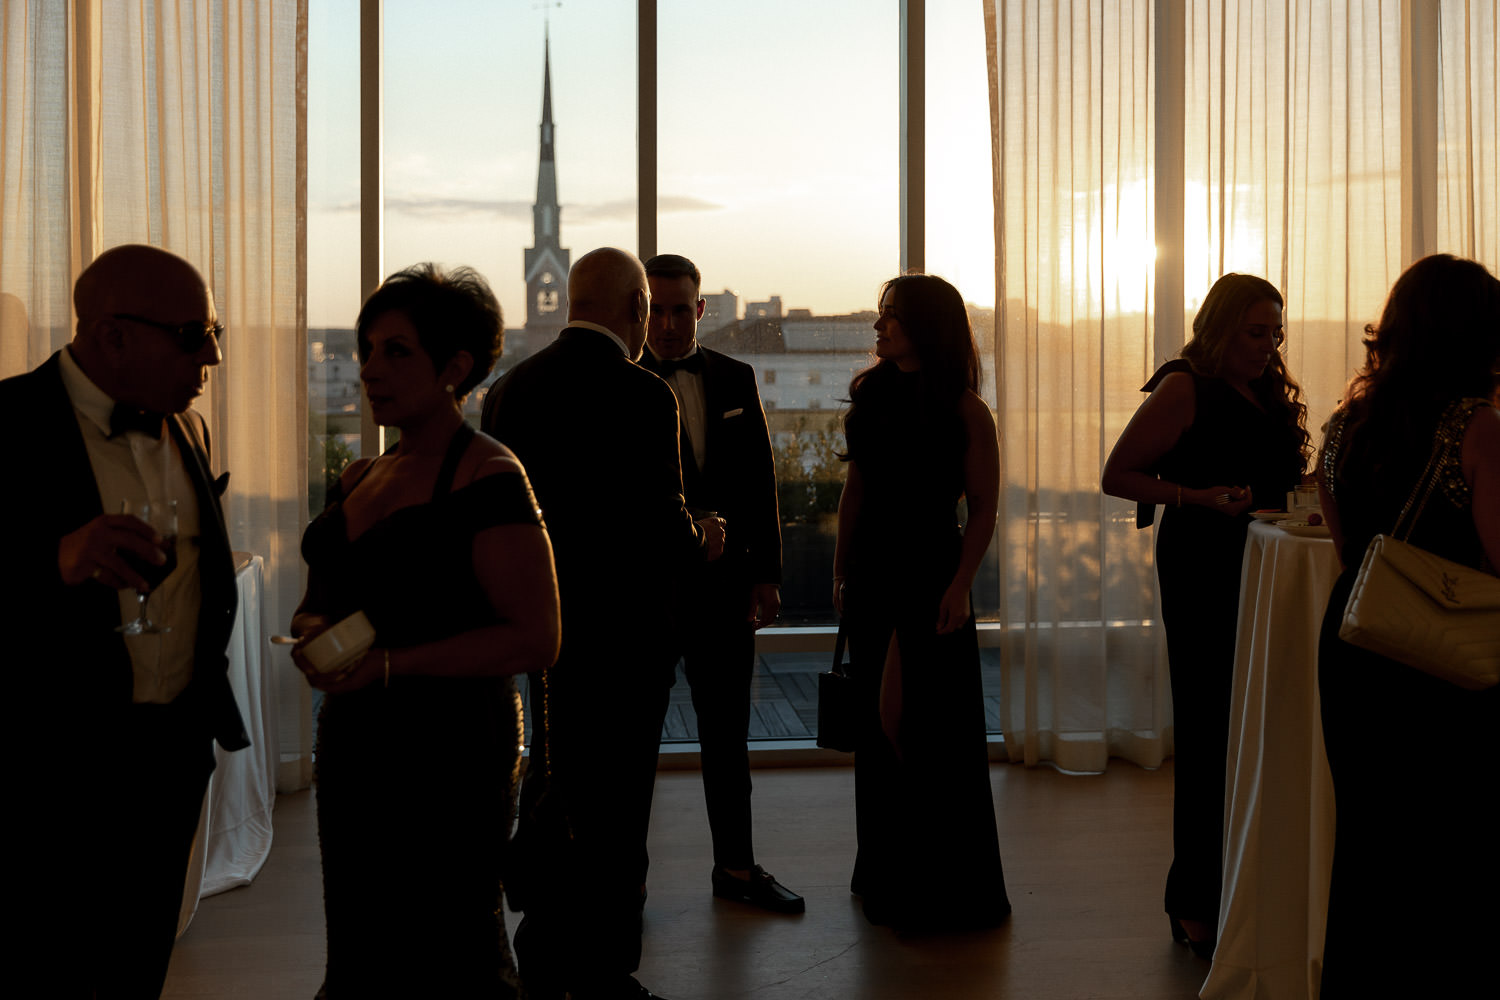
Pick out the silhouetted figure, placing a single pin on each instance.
(440, 544)
(114, 733)
(920, 439)
(727, 468)
(598, 434)
(1415, 759)
(1220, 435)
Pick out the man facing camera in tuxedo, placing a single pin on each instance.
(727, 468)
(116, 729)
(598, 437)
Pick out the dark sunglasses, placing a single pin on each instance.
(189, 337)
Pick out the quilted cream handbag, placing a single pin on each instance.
(1423, 610)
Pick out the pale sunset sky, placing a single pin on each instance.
(778, 147)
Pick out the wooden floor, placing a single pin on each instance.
(1085, 860)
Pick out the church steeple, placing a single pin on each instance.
(546, 261)
(544, 218)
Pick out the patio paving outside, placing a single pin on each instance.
(784, 698)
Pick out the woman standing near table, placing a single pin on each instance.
(920, 439)
(1221, 434)
(440, 543)
(1415, 760)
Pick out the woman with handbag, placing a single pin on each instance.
(920, 439)
(1220, 435)
(1414, 450)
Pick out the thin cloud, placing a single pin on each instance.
(429, 207)
(433, 207)
(617, 211)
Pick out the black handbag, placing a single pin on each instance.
(837, 703)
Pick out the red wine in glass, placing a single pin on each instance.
(161, 515)
(153, 574)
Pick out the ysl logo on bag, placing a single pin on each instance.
(1449, 593)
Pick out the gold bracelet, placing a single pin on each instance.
(387, 668)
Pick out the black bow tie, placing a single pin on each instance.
(129, 418)
(692, 363)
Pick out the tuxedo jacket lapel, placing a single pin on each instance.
(74, 473)
(207, 490)
(220, 597)
(714, 403)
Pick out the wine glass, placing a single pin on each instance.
(161, 515)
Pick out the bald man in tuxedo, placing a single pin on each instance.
(598, 436)
(116, 730)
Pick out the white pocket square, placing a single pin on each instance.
(734, 412)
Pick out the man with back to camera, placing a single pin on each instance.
(727, 468)
(117, 731)
(598, 437)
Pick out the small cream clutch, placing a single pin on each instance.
(340, 645)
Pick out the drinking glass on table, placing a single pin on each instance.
(161, 515)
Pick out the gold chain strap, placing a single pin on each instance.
(1429, 477)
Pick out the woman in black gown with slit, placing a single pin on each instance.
(440, 543)
(920, 439)
(1220, 435)
(1415, 760)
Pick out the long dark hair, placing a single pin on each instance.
(935, 320)
(1215, 325)
(1438, 340)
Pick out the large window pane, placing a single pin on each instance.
(960, 232)
(960, 244)
(778, 167)
(333, 200)
(464, 178)
(473, 175)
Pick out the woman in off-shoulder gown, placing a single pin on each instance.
(440, 544)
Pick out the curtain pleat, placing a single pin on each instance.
(1468, 145)
(1072, 97)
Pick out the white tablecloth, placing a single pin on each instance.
(234, 831)
(1278, 808)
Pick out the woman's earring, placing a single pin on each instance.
(448, 388)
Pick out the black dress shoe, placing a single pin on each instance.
(760, 889)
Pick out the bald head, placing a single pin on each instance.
(130, 301)
(608, 287)
(135, 279)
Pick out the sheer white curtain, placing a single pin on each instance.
(178, 123)
(1467, 201)
(1142, 148)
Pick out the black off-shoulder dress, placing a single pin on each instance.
(416, 781)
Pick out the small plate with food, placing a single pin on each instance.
(1312, 527)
